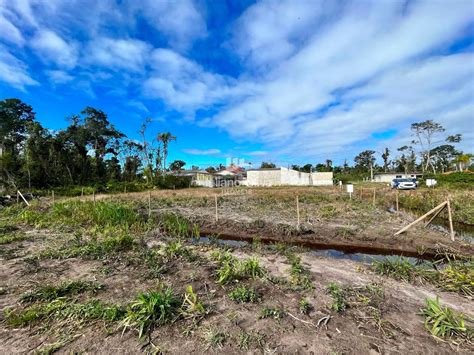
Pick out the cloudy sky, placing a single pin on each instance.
(287, 81)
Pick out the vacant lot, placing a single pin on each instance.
(110, 277)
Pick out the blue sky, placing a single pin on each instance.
(283, 81)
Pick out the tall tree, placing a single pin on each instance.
(386, 161)
(365, 162)
(424, 133)
(165, 138)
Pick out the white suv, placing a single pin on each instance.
(404, 184)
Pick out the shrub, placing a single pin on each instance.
(340, 302)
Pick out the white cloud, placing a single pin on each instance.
(258, 153)
(306, 102)
(193, 151)
(59, 76)
(116, 54)
(180, 21)
(50, 47)
(13, 71)
(9, 32)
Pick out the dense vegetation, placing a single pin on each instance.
(89, 152)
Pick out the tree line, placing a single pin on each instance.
(89, 151)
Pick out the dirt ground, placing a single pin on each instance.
(395, 328)
(328, 218)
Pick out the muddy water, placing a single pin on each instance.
(362, 255)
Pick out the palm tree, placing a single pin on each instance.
(165, 138)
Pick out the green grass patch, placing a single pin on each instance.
(340, 302)
(454, 275)
(70, 288)
(244, 294)
(443, 322)
(272, 312)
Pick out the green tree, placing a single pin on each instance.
(386, 161)
(267, 165)
(177, 165)
(165, 139)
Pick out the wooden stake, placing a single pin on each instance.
(24, 199)
(421, 218)
(435, 215)
(373, 199)
(52, 194)
(215, 200)
(149, 204)
(451, 229)
(93, 196)
(396, 200)
(298, 212)
(17, 198)
(82, 193)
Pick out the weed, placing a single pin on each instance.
(243, 340)
(340, 302)
(151, 309)
(251, 268)
(60, 308)
(94, 248)
(178, 226)
(10, 238)
(215, 338)
(304, 306)
(191, 305)
(49, 292)
(443, 322)
(299, 275)
(242, 294)
(272, 312)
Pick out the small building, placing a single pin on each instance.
(198, 177)
(290, 177)
(388, 177)
(230, 176)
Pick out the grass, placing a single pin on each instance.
(272, 312)
(95, 248)
(443, 322)
(453, 276)
(299, 275)
(232, 269)
(13, 237)
(243, 294)
(215, 338)
(304, 306)
(339, 297)
(85, 214)
(63, 309)
(65, 289)
(178, 226)
(150, 310)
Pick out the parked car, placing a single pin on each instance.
(404, 184)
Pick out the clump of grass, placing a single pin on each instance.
(60, 309)
(86, 214)
(178, 226)
(95, 248)
(251, 268)
(339, 297)
(191, 306)
(304, 306)
(176, 249)
(272, 312)
(443, 322)
(50, 292)
(150, 310)
(454, 276)
(13, 237)
(243, 294)
(215, 338)
(299, 275)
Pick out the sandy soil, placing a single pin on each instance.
(354, 331)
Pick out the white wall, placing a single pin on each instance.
(284, 176)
